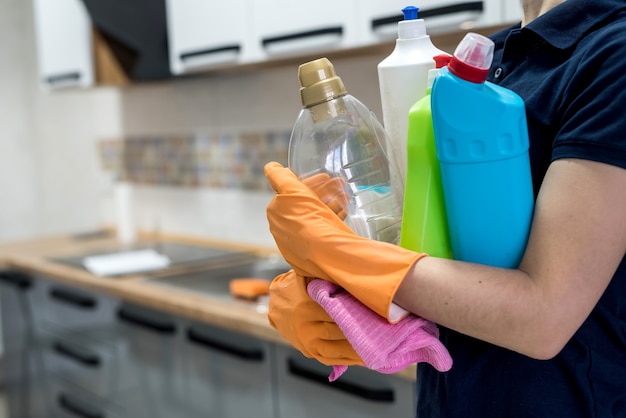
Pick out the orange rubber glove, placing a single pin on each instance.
(330, 191)
(317, 244)
(306, 325)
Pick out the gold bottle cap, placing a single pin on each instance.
(319, 82)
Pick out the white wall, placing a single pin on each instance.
(261, 100)
(50, 180)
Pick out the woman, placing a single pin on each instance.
(547, 339)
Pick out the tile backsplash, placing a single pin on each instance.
(232, 160)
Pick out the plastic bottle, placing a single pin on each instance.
(337, 135)
(424, 222)
(481, 136)
(402, 78)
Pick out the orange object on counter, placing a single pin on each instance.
(249, 287)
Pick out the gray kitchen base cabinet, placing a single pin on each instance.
(228, 374)
(23, 372)
(152, 341)
(304, 391)
(71, 352)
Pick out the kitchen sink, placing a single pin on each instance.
(179, 255)
(214, 282)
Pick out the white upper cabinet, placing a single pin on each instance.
(204, 34)
(287, 27)
(378, 20)
(64, 48)
(512, 11)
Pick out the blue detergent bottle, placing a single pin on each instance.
(481, 137)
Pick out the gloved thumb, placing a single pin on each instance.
(283, 180)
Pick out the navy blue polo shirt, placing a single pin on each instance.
(569, 66)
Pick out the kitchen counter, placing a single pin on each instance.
(40, 256)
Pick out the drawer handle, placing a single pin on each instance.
(375, 395)
(200, 339)
(205, 52)
(78, 408)
(70, 297)
(77, 354)
(64, 78)
(473, 6)
(336, 30)
(20, 280)
(150, 323)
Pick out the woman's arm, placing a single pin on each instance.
(577, 241)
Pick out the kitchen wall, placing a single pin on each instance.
(50, 180)
(256, 101)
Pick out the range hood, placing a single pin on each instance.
(136, 33)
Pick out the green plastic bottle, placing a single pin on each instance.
(424, 222)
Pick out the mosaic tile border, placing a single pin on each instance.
(219, 160)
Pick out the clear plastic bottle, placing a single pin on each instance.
(402, 78)
(481, 136)
(337, 135)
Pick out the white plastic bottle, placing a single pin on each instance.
(402, 78)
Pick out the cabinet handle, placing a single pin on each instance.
(158, 325)
(200, 339)
(376, 395)
(70, 297)
(336, 30)
(77, 354)
(473, 6)
(205, 52)
(75, 408)
(16, 278)
(73, 77)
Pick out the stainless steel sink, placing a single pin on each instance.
(180, 255)
(214, 282)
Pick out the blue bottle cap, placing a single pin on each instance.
(410, 12)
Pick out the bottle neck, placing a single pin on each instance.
(467, 72)
(328, 110)
(412, 44)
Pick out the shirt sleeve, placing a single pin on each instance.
(593, 108)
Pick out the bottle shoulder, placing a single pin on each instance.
(414, 51)
(451, 88)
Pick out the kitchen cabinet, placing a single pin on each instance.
(228, 374)
(284, 27)
(21, 373)
(64, 44)
(152, 339)
(70, 352)
(304, 390)
(378, 21)
(512, 11)
(205, 34)
(102, 44)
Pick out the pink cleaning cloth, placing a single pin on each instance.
(384, 347)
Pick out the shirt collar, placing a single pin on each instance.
(567, 23)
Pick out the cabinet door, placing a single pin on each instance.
(154, 362)
(304, 390)
(95, 366)
(65, 400)
(64, 50)
(204, 34)
(22, 374)
(378, 21)
(228, 374)
(285, 27)
(73, 310)
(512, 10)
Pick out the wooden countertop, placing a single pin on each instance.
(36, 256)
